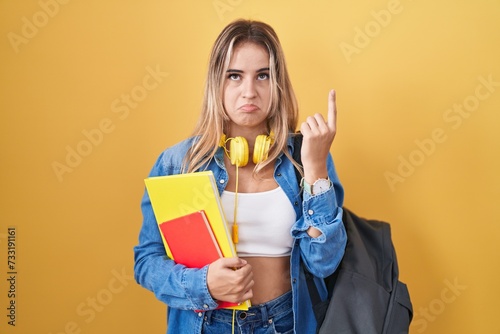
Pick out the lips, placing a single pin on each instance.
(249, 107)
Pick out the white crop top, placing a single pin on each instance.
(264, 222)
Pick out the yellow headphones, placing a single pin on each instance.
(238, 149)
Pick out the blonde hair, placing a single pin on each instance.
(213, 121)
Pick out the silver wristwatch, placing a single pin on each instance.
(318, 187)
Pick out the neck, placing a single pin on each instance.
(249, 133)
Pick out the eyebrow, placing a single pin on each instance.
(264, 69)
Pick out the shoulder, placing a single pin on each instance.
(171, 159)
(181, 147)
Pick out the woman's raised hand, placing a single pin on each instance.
(318, 136)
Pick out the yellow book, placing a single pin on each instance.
(174, 196)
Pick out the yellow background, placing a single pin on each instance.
(404, 154)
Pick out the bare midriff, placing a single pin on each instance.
(271, 277)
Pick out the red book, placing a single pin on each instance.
(192, 242)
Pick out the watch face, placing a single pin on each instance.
(320, 186)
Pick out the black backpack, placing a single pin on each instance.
(365, 295)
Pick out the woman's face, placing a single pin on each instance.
(247, 90)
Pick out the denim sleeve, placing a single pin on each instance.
(323, 254)
(176, 285)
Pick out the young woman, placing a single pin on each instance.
(282, 224)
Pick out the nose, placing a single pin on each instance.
(249, 89)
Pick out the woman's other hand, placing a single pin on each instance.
(230, 280)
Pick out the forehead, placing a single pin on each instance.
(247, 54)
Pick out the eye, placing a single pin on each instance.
(234, 76)
(263, 76)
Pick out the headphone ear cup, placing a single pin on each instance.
(238, 151)
(261, 148)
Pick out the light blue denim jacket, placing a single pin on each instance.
(185, 290)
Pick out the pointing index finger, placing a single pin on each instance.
(332, 110)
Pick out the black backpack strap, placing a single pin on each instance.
(319, 306)
(297, 145)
